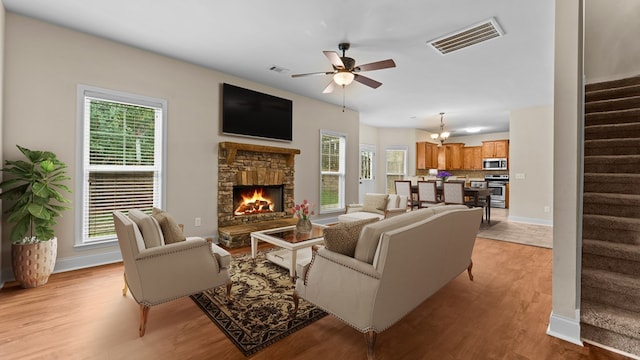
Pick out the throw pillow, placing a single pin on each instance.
(375, 203)
(393, 202)
(343, 237)
(149, 227)
(170, 229)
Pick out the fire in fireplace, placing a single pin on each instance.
(257, 199)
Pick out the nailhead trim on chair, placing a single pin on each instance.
(349, 267)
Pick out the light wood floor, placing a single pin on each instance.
(517, 232)
(503, 314)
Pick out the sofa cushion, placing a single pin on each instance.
(375, 203)
(149, 227)
(170, 229)
(342, 238)
(359, 215)
(370, 235)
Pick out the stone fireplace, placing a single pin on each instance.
(255, 190)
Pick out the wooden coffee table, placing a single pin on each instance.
(290, 241)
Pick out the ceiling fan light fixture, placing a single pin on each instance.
(343, 78)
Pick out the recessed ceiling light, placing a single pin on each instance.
(473, 130)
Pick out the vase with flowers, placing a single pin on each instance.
(303, 212)
(443, 175)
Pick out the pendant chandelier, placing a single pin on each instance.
(443, 135)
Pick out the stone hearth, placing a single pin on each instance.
(247, 164)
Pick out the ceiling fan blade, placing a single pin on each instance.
(314, 73)
(329, 88)
(384, 64)
(334, 58)
(367, 81)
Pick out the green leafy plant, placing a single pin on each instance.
(34, 185)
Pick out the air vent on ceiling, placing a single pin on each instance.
(278, 69)
(471, 35)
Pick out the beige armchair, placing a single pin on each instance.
(156, 272)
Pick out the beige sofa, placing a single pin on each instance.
(398, 263)
(374, 207)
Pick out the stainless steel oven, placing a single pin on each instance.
(498, 186)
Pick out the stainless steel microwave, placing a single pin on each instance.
(494, 164)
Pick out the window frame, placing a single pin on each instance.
(404, 174)
(342, 173)
(81, 191)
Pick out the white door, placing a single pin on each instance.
(367, 170)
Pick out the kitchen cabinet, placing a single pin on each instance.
(495, 149)
(426, 156)
(450, 156)
(506, 196)
(472, 158)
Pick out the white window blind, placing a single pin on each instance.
(332, 171)
(122, 159)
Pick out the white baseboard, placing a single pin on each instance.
(81, 262)
(531, 220)
(73, 263)
(565, 328)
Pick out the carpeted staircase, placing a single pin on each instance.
(610, 304)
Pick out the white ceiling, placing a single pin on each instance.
(475, 87)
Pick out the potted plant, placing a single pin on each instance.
(34, 189)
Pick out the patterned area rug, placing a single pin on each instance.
(261, 300)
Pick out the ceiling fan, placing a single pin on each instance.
(345, 69)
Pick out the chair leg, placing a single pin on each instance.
(144, 314)
(469, 270)
(296, 300)
(125, 288)
(370, 338)
(229, 284)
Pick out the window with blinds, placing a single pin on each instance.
(396, 167)
(332, 171)
(122, 158)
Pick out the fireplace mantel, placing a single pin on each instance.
(232, 148)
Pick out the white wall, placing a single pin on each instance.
(368, 135)
(531, 156)
(2, 22)
(388, 137)
(564, 321)
(612, 49)
(44, 65)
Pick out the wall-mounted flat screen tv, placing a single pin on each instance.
(250, 113)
